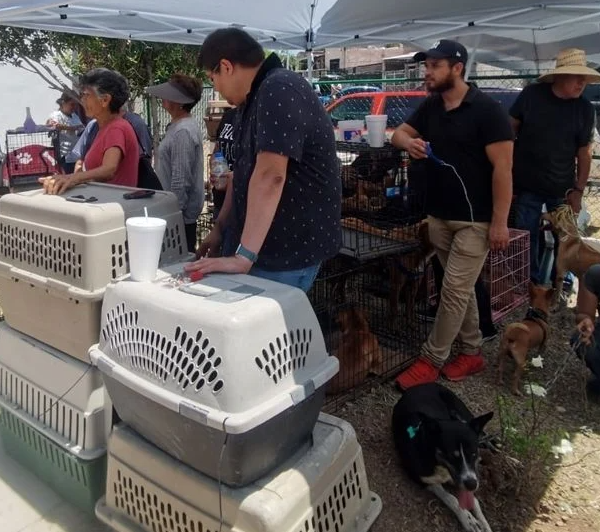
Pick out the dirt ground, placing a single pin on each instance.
(551, 493)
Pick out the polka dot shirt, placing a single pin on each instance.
(283, 115)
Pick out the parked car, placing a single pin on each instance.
(328, 98)
(397, 105)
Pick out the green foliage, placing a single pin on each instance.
(524, 437)
(17, 44)
(141, 63)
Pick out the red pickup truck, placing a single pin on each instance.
(397, 105)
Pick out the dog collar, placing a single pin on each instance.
(412, 430)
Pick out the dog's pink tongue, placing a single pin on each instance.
(466, 499)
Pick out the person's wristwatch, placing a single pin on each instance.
(246, 253)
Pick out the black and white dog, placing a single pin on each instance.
(437, 439)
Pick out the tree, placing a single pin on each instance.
(35, 52)
(60, 58)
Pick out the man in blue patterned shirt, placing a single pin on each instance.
(285, 203)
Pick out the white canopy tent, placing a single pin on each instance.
(525, 33)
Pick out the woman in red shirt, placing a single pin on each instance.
(114, 155)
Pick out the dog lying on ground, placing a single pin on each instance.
(358, 351)
(437, 438)
(574, 254)
(519, 338)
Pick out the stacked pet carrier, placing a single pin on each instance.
(370, 295)
(57, 254)
(219, 384)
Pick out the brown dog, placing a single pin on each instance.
(406, 270)
(519, 338)
(574, 254)
(358, 351)
(407, 274)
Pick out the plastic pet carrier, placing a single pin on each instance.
(226, 374)
(324, 489)
(58, 253)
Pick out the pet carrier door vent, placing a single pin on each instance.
(328, 516)
(286, 354)
(43, 407)
(150, 511)
(173, 240)
(119, 260)
(35, 248)
(188, 359)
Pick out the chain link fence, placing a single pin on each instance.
(352, 96)
(142, 107)
(398, 93)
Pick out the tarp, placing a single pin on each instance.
(518, 30)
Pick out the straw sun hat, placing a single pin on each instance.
(572, 61)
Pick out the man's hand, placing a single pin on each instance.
(220, 182)
(417, 148)
(235, 264)
(586, 329)
(211, 245)
(574, 200)
(58, 184)
(498, 236)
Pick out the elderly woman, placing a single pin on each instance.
(114, 155)
(179, 161)
(68, 123)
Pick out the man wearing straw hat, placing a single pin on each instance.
(554, 126)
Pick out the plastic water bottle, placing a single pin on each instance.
(219, 168)
(29, 126)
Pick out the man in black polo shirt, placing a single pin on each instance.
(554, 126)
(469, 189)
(285, 203)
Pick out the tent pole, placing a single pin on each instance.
(471, 60)
(310, 40)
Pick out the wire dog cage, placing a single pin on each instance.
(31, 155)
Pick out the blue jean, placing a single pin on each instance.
(528, 211)
(302, 278)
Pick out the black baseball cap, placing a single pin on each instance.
(444, 49)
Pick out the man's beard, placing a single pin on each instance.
(442, 86)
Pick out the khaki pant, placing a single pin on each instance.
(462, 248)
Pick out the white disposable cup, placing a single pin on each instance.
(376, 125)
(145, 238)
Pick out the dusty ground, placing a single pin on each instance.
(561, 492)
(532, 496)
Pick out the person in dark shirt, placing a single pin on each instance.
(225, 145)
(553, 124)
(587, 338)
(466, 139)
(286, 192)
